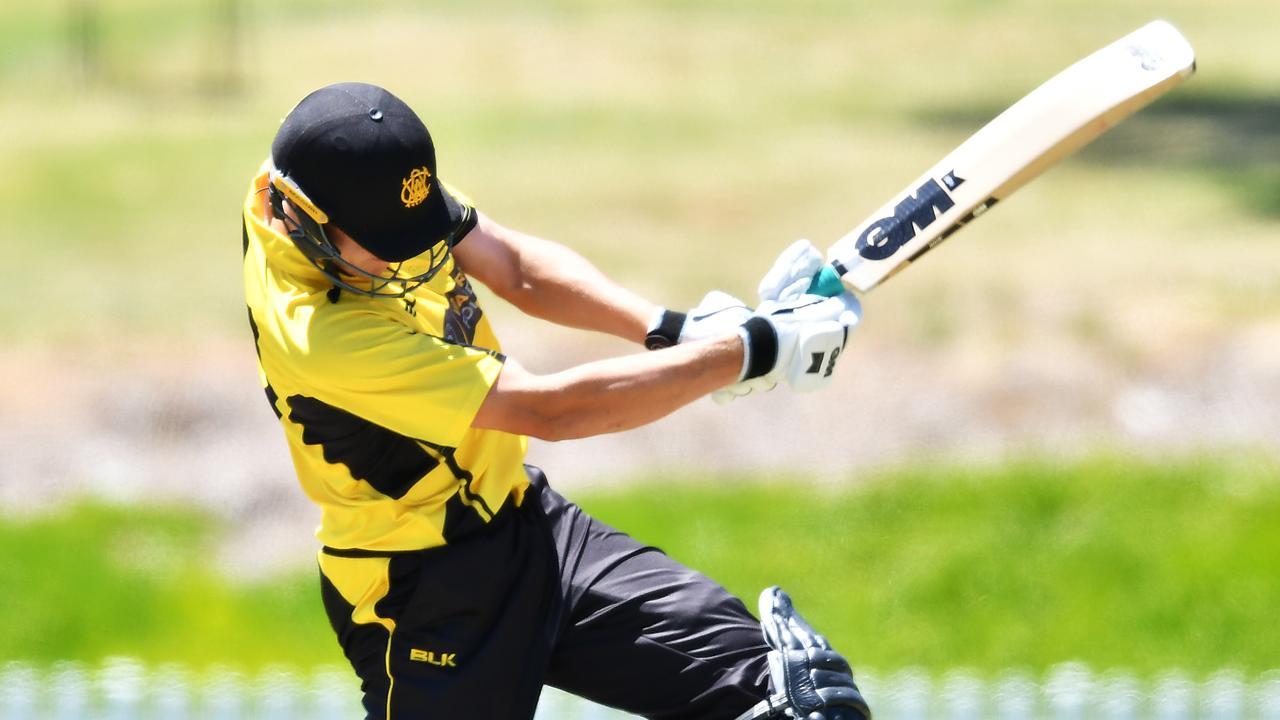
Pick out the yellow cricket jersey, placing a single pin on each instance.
(376, 397)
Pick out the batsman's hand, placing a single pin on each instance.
(798, 341)
(719, 313)
(792, 272)
(819, 328)
(787, 282)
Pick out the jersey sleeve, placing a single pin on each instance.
(414, 384)
(462, 199)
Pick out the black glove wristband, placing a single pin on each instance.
(666, 332)
(762, 347)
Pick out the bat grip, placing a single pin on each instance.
(826, 283)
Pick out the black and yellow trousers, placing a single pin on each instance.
(544, 595)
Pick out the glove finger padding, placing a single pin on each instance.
(809, 689)
(837, 713)
(844, 308)
(784, 627)
(714, 302)
(791, 273)
(827, 662)
(728, 394)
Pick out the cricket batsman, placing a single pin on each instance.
(457, 580)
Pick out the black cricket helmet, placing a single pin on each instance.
(358, 157)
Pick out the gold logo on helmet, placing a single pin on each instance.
(415, 187)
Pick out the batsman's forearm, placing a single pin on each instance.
(553, 282)
(632, 391)
(565, 288)
(588, 301)
(611, 395)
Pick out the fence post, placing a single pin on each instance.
(1268, 694)
(18, 684)
(1120, 698)
(1223, 697)
(962, 697)
(67, 689)
(334, 694)
(121, 683)
(171, 687)
(1173, 698)
(1015, 697)
(224, 695)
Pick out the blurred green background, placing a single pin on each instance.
(1137, 566)
(1055, 438)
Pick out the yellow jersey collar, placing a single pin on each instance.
(279, 250)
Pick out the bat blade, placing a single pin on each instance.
(1064, 114)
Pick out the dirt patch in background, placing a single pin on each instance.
(189, 424)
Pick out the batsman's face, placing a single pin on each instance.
(350, 250)
(354, 254)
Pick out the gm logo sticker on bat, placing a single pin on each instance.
(884, 237)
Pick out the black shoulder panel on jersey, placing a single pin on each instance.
(392, 463)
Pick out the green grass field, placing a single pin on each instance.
(1120, 564)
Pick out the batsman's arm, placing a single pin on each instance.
(609, 395)
(797, 342)
(549, 281)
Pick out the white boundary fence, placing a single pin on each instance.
(123, 689)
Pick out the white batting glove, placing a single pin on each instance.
(787, 280)
(791, 273)
(819, 327)
(718, 313)
(798, 341)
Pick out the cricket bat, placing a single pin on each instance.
(1064, 114)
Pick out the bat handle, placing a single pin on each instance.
(826, 283)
